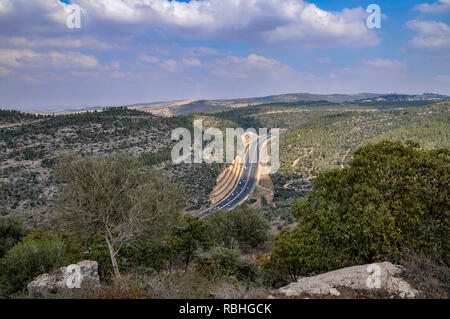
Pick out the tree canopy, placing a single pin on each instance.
(239, 228)
(392, 196)
(116, 198)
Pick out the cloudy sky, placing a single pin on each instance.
(132, 51)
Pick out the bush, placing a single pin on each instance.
(296, 253)
(220, 263)
(37, 254)
(239, 228)
(390, 196)
(12, 230)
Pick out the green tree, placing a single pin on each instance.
(40, 252)
(223, 263)
(190, 238)
(241, 226)
(12, 230)
(114, 197)
(390, 197)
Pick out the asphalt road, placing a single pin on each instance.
(245, 183)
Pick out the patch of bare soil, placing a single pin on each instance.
(345, 156)
(264, 188)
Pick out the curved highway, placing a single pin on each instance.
(246, 181)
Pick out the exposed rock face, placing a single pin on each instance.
(81, 275)
(374, 276)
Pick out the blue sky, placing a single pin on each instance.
(133, 51)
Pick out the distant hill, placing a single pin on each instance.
(181, 107)
(194, 106)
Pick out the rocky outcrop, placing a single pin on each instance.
(81, 275)
(384, 276)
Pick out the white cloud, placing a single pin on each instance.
(72, 59)
(13, 58)
(51, 10)
(192, 62)
(4, 71)
(229, 74)
(169, 65)
(30, 79)
(431, 35)
(115, 65)
(148, 58)
(334, 76)
(272, 21)
(118, 75)
(251, 62)
(20, 58)
(5, 6)
(59, 42)
(436, 7)
(314, 27)
(385, 64)
(243, 67)
(84, 74)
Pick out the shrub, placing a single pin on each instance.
(390, 196)
(240, 227)
(12, 230)
(297, 252)
(220, 263)
(37, 254)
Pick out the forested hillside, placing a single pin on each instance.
(430, 134)
(316, 136)
(30, 149)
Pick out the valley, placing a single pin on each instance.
(315, 137)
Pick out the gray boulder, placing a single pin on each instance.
(81, 275)
(366, 277)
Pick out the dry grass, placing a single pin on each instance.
(430, 277)
(186, 286)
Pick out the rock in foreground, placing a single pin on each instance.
(81, 275)
(367, 277)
